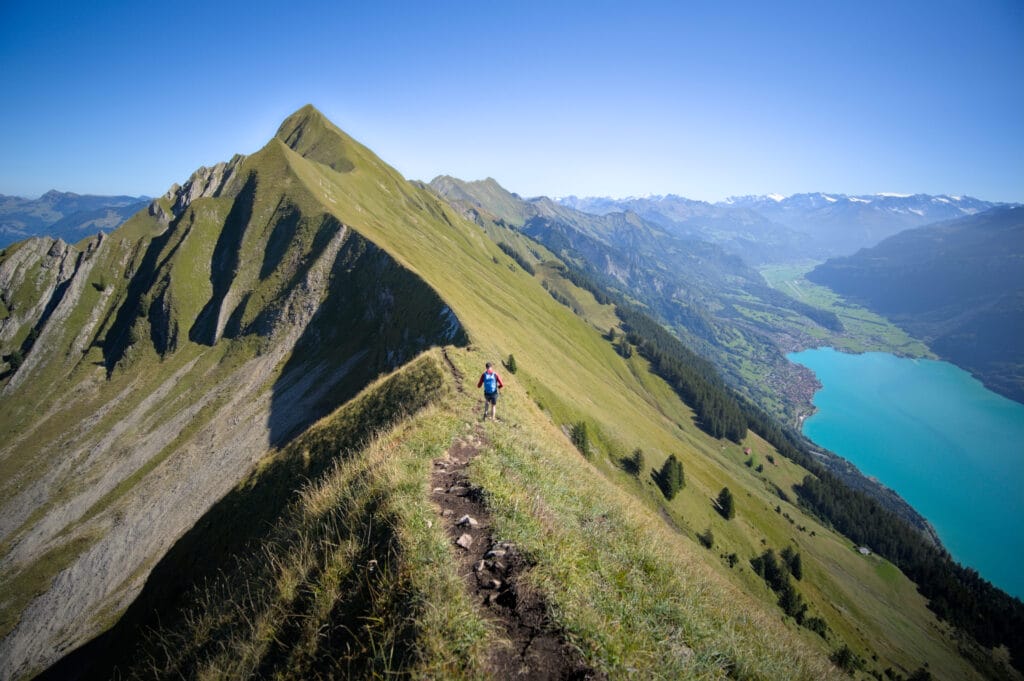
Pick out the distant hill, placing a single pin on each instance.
(773, 228)
(64, 215)
(958, 285)
(713, 300)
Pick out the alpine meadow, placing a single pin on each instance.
(241, 437)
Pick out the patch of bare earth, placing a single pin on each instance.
(493, 574)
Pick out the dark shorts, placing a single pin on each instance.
(491, 397)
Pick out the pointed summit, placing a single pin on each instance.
(310, 134)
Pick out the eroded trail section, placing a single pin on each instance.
(492, 570)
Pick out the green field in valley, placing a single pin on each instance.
(864, 331)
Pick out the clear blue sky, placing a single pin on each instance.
(702, 99)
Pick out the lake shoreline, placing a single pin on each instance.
(803, 394)
(906, 426)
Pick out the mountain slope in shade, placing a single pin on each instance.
(64, 215)
(958, 285)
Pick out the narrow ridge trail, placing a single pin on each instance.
(456, 374)
(492, 571)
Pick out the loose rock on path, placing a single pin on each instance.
(492, 572)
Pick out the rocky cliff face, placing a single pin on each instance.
(149, 370)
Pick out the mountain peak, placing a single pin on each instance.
(310, 134)
(56, 195)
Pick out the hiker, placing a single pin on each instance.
(491, 382)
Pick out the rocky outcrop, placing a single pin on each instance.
(205, 182)
(41, 283)
(137, 530)
(29, 276)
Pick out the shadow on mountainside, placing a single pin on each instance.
(224, 263)
(376, 316)
(120, 337)
(231, 532)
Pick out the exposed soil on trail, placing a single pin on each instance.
(492, 571)
(456, 374)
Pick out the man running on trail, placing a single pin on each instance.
(491, 382)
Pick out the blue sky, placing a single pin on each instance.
(702, 99)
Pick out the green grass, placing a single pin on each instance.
(617, 581)
(864, 331)
(635, 596)
(355, 577)
(575, 374)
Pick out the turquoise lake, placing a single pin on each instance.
(929, 430)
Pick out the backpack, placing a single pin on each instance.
(490, 382)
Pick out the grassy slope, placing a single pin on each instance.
(614, 576)
(568, 367)
(632, 593)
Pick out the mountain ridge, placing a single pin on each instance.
(709, 296)
(252, 394)
(287, 247)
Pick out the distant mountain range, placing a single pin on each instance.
(957, 285)
(64, 215)
(774, 228)
(760, 229)
(717, 303)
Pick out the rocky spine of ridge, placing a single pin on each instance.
(204, 182)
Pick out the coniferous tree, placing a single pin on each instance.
(15, 359)
(791, 602)
(817, 625)
(511, 364)
(726, 505)
(635, 463)
(671, 478)
(796, 568)
(793, 562)
(768, 567)
(580, 437)
(846, 659)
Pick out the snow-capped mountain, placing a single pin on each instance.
(772, 227)
(929, 207)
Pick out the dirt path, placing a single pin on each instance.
(492, 572)
(456, 374)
